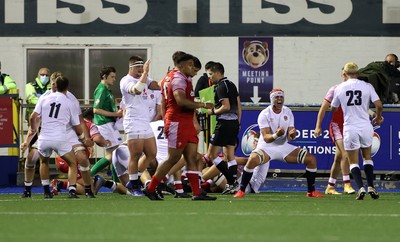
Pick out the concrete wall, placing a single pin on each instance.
(305, 67)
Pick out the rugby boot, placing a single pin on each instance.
(361, 194)
(348, 189)
(239, 194)
(152, 195)
(314, 194)
(26, 194)
(373, 193)
(203, 197)
(332, 191)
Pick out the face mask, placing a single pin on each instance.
(44, 79)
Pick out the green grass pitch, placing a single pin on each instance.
(268, 216)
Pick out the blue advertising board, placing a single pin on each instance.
(385, 147)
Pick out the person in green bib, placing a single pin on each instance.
(105, 116)
(6, 83)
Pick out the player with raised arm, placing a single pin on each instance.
(138, 115)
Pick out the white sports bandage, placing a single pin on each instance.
(218, 179)
(301, 156)
(276, 94)
(30, 166)
(81, 136)
(260, 155)
(84, 168)
(136, 63)
(368, 162)
(371, 113)
(139, 86)
(79, 148)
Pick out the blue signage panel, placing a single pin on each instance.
(385, 147)
(199, 18)
(255, 69)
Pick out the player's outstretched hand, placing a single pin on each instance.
(146, 66)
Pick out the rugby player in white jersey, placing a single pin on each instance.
(55, 111)
(354, 96)
(140, 138)
(276, 124)
(79, 145)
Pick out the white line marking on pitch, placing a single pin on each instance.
(124, 214)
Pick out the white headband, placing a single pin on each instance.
(276, 94)
(137, 63)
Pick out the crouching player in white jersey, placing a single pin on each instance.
(56, 111)
(276, 124)
(120, 160)
(354, 96)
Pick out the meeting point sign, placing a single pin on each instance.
(200, 18)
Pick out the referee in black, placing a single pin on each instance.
(228, 111)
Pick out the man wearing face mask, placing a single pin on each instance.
(34, 89)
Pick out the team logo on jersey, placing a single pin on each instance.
(247, 143)
(285, 118)
(152, 96)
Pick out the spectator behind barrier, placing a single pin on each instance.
(384, 76)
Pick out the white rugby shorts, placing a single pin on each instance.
(354, 139)
(46, 147)
(111, 133)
